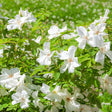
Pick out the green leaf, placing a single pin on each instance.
(77, 72)
(38, 69)
(83, 58)
(56, 75)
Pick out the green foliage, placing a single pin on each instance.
(57, 12)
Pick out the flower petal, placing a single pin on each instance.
(100, 57)
(71, 51)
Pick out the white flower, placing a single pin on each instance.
(1, 52)
(9, 78)
(54, 31)
(103, 19)
(20, 83)
(45, 88)
(22, 98)
(97, 29)
(70, 61)
(70, 103)
(22, 18)
(84, 37)
(29, 87)
(104, 49)
(106, 83)
(16, 23)
(55, 95)
(38, 39)
(69, 36)
(45, 55)
(28, 16)
(36, 100)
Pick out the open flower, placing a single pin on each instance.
(10, 78)
(37, 102)
(45, 55)
(16, 23)
(70, 61)
(104, 50)
(45, 88)
(84, 37)
(97, 29)
(54, 31)
(22, 18)
(27, 15)
(54, 95)
(22, 98)
(70, 102)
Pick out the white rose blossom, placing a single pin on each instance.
(70, 61)
(45, 55)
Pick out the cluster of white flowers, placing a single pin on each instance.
(20, 19)
(94, 37)
(13, 81)
(70, 61)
